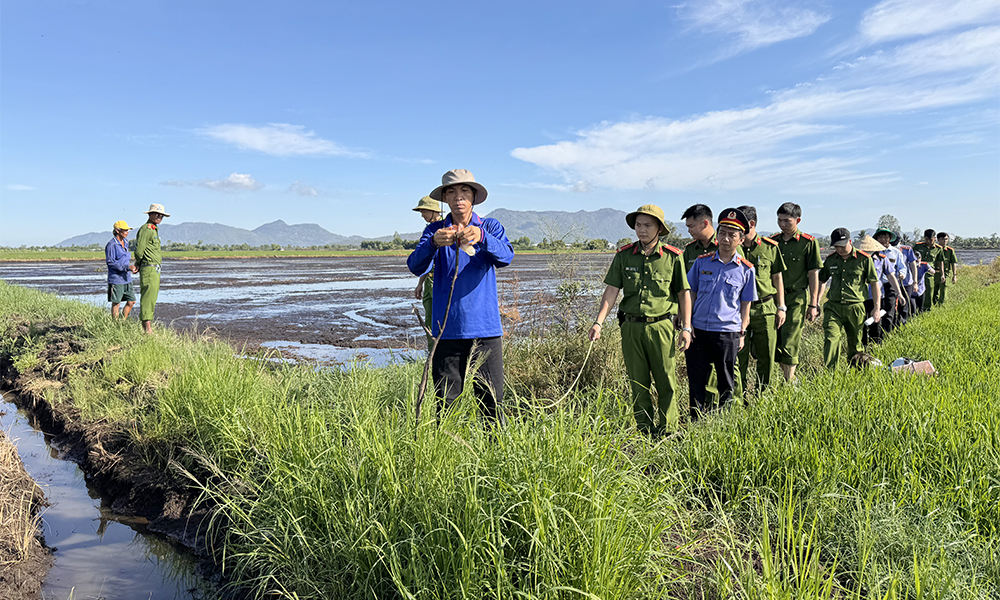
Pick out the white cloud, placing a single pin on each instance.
(755, 23)
(236, 182)
(894, 19)
(303, 190)
(19, 187)
(806, 138)
(277, 139)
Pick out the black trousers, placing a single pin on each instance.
(450, 368)
(711, 348)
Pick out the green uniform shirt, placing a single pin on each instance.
(849, 277)
(650, 283)
(928, 252)
(801, 255)
(694, 249)
(764, 255)
(147, 246)
(945, 260)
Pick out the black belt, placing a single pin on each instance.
(762, 300)
(634, 319)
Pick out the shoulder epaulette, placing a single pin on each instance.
(676, 251)
(691, 242)
(706, 254)
(807, 236)
(906, 247)
(742, 261)
(863, 253)
(150, 226)
(948, 248)
(769, 241)
(774, 236)
(627, 247)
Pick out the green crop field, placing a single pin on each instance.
(853, 484)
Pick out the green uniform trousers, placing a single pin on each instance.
(940, 289)
(837, 316)
(650, 349)
(149, 289)
(760, 342)
(790, 334)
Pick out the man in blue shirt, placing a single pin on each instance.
(467, 320)
(120, 271)
(723, 284)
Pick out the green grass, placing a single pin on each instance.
(851, 485)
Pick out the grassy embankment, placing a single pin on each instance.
(853, 484)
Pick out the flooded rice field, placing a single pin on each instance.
(97, 554)
(331, 309)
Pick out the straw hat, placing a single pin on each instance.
(428, 203)
(868, 244)
(647, 209)
(456, 177)
(157, 208)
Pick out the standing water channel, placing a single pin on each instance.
(97, 554)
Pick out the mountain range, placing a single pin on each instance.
(605, 223)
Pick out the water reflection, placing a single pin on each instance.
(98, 554)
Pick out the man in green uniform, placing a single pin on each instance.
(800, 251)
(430, 210)
(928, 251)
(656, 298)
(767, 313)
(945, 261)
(148, 258)
(850, 273)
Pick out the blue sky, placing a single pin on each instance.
(346, 113)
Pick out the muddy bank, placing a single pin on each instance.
(155, 498)
(24, 558)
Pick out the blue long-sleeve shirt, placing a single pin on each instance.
(117, 255)
(475, 311)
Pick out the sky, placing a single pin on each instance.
(346, 113)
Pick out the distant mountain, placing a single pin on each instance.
(604, 223)
(278, 232)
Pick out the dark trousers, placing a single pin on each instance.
(871, 334)
(450, 367)
(711, 349)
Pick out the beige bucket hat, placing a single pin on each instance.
(868, 244)
(428, 203)
(455, 177)
(157, 208)
(648, 209)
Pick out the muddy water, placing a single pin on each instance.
(98, 554)
(341, 303)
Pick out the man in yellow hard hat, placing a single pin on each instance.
(120, 270)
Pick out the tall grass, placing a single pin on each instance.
(853, 484)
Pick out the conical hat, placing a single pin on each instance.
(868, 244)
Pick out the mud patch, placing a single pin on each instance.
(24, 559)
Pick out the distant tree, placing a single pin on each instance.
(522, 242)
(597, 244)
(623, 242)
(888, 222)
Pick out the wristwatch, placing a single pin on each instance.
(783, 308)
(687, 329)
